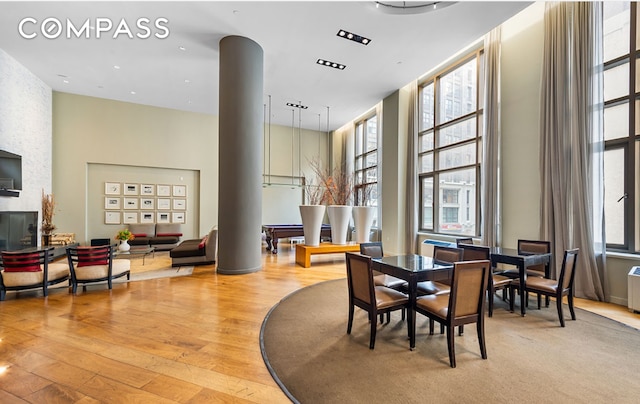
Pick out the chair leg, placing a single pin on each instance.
(431, 326)
(350, 319)
(559, 306)
(512, 295)
(490, 292)
(372, 338)
(570, 301)
(539, 300)
(3, 294)
(388, 317)
(480, 328)
(451, 345)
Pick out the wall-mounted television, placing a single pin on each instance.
(10, 171)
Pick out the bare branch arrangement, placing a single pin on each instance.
(363, 194)
(337, 184)
(48, 207)
(314, 194)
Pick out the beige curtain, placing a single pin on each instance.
(490, 167)
(411, 201)
(570, 103)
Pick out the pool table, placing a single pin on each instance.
(275, 231)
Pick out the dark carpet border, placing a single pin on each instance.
(262, 349)
(275, 306)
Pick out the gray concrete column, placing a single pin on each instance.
(240, 156)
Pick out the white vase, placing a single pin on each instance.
(312, 216)
(124, 246)
(363, 220)
(339, 217)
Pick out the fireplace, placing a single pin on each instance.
(18, 230)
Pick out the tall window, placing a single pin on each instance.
(449, 149)
(622, 125)
(366, 164)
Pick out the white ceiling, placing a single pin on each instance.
(293, 35)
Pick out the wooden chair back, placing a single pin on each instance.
(372, 249)
(447, 254)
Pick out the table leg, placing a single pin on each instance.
(268, 240)
(411, 315)
(523, 295)
(275, 245)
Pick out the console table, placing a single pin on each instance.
(275, 231)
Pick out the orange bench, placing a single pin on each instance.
(304, 252)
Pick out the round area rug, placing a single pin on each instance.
(530, 359)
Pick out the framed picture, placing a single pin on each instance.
(147, 217)
(147, 203)
(112, 188)
(163, 217)
(164, 203)
(131, 203)
(179, 204)
(111, 203)
(164, 190)
(179, 190)
(112, 217)
(177, 217)
(147, 189)
(131, 189)
(130, 217)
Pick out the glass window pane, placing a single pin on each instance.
(372, 159)
(457, 94)
(426, 106)
(616, 121)
(457, 202)
(372, 134)
(616, 82)
(359, 129)
(426, 163)
(427, 203)
(457, 156)
(371, 175)
(456, 133)
(616, 29)
(425, 142)
(613, 190)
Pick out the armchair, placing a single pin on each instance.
(29, 270)
(95, 264)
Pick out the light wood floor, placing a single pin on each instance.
(186, 340)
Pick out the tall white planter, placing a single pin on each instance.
(363, 220)
(312, 216)
(339, 217)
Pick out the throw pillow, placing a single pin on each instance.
(21, 262)
(169, 235)
(88, 256)
(203, 242)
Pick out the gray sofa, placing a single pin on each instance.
(162, 236)
(197, 251)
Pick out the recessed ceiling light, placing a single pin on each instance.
(133, 92)
(327, 63)
(187, 81)
(354, 37)
(116, 67)
(182, 48)
(65, 81)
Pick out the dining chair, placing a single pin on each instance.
(463, 305)
(364, 294)
(30, 270)
(540, 271)
(374, 249)
(563, 286)
(95, 264)
(496, 280)
(446, 255)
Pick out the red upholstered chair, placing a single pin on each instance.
(30, 270)
(364, 294)
(563, 286)
(463, 305)
(95, 264)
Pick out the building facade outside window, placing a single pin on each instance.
(366, 164)
(622, 125)
(449, 148)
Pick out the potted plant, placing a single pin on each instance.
(124, 236)
(338, 192)
(48, 207)
(312, 213)
(363, 214)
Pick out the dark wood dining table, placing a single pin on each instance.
(522, 260)
(413, 269)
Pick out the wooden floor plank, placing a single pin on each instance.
(190, 339)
